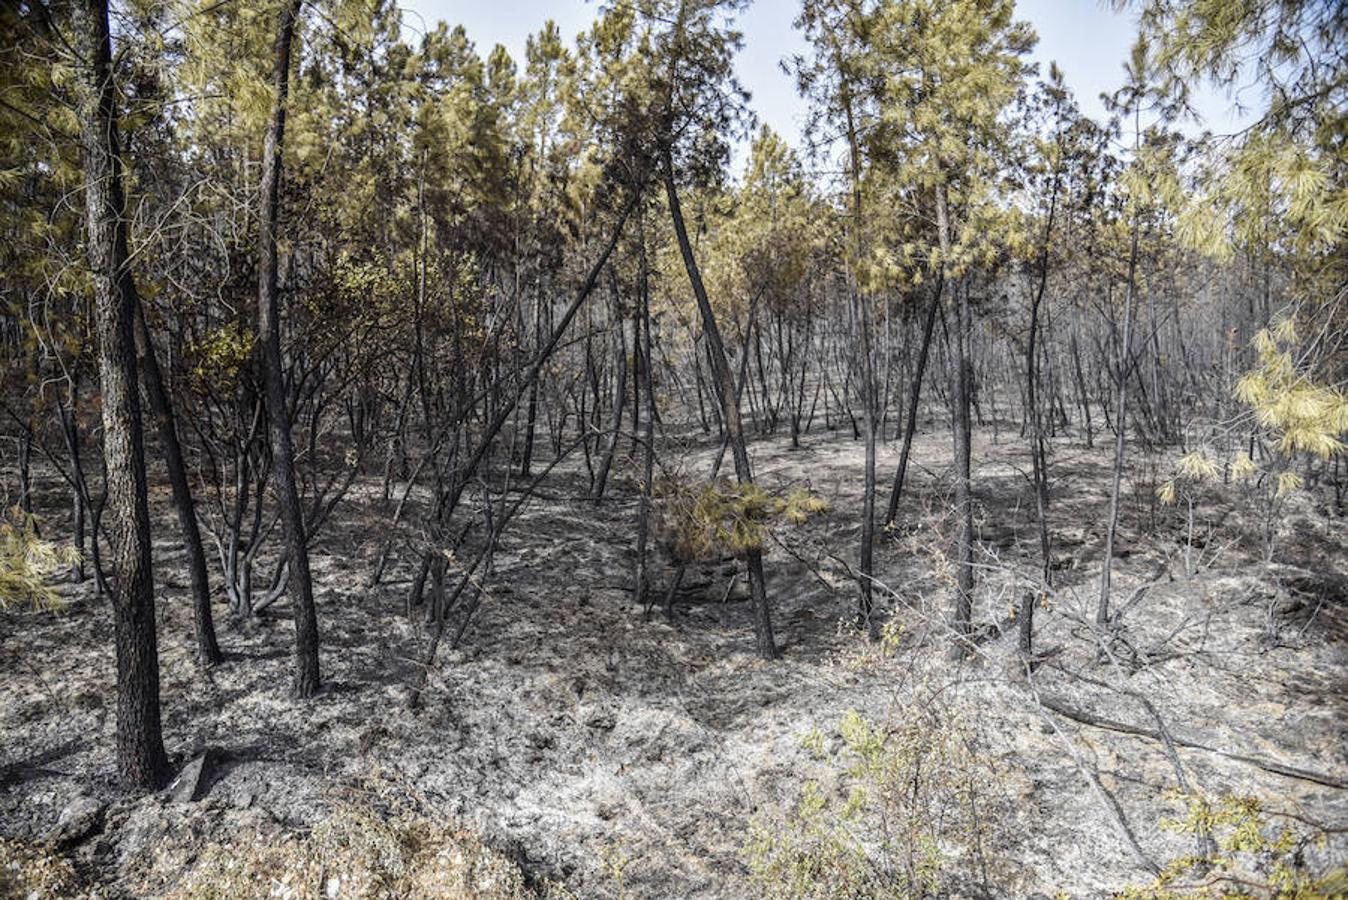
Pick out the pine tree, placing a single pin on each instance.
(141, 761)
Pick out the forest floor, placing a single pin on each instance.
(622, 756)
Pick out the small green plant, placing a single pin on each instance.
(28, 563)
(1252, 857)
(814, 742)
(910, 808)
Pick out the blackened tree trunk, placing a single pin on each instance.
(1123, 364)
(861, 303)
(1121, 370)
(643, 339)
(638, 363)
(914, 399)
(25, 468)
(141, 761)
(80, 499)
(1082, 393)
(618, 346)
(1038, 445)
(26, 438)
(730, 411)
(208, 649)
(273, 373)
(531, 416)
(961, 426)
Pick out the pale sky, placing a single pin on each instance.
(1087, 38)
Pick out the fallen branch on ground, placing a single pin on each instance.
(1066, 709)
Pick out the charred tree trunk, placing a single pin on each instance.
(865, 604)
(208, 649)
(141, 761)
(26, 438)
(961, 426)
(618, 345)
(730, 412)
(1038, 445)
(531, 415)
(1122, 366)
(643, 338)
(301, 587)
(914, 399)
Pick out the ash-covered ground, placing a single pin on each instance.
(625, 756)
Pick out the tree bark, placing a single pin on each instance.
(962, 620)
(1038, 446)
(618, 349)
(910, 426)
(141, 761)
(26, 438)
(648, 429)
(865, 603)
(1120, 433)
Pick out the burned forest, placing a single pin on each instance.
(437, 468)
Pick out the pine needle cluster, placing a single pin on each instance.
(28, 563)
(721, 518)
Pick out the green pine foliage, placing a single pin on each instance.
(29, 564)
(723, 518)
(1305, 415)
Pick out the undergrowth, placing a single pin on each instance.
(383, 842)
(722, 518)
(907, 809)
(37, 872)
(1253, 857)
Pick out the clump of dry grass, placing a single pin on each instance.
(37, 872)
(382, 843)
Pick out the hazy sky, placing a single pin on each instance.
(1087, 39)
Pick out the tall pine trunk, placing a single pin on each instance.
(643, 338)
(914, 400)
(730, 410)
(1122, 366)
(963, 434)
(273, 373)
(862, 307)
(141, 761)
(618, 348)
(1038, 445)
